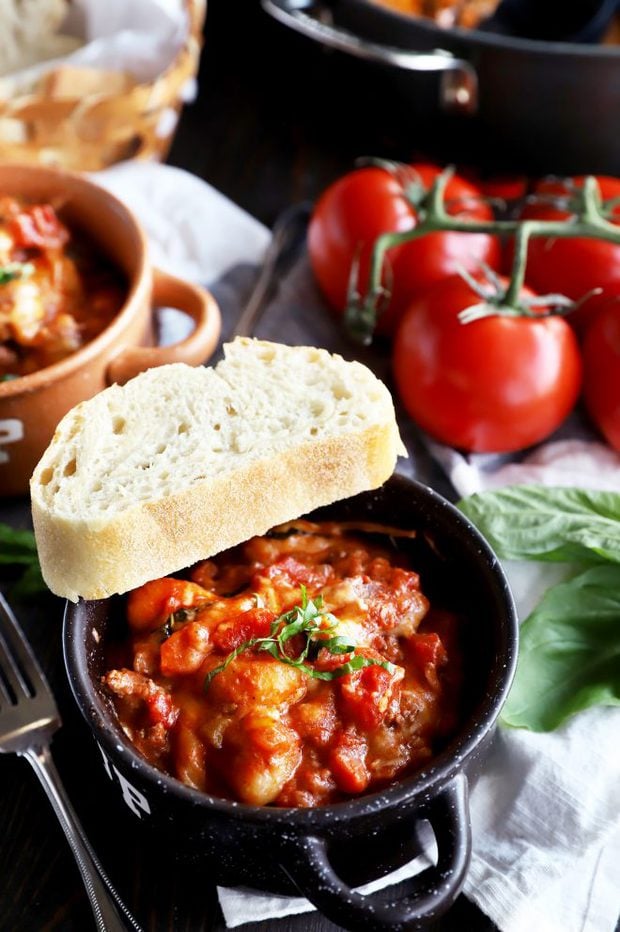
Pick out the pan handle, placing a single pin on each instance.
(429, 894)
(458, 89)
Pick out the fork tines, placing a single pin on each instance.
(21, 677)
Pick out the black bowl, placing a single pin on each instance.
(324, 852)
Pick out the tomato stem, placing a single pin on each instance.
(519, 262)
(589, 221)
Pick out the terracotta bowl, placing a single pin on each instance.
(32, 405)
(327, 851)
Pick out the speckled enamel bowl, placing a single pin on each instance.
(323, 853)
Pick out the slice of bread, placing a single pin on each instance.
(30, 33)
(181, 463)
(79, 81)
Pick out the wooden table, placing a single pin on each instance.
(276, 119)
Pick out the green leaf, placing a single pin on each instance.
(359, 661)
(13, 270)
(531, 522)
(30, 583)
(356, 663)
(299, 626)
(13, 541)
(569, 657)
(306, 619)
(12, 559)
(18, 548)
(229, 659)
(265, 644)
(338, 645)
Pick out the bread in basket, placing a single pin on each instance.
(85, 120)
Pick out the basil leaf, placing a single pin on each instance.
(269, 646)
(18, 548)
(30, 583)
(14, 270)
(14, 542)
(13, 559)
(305, 619)
(356, 663)
(337, 645)
(229, 659)
(531, 522)
(569, 656)
(291, 629)
(359, 661)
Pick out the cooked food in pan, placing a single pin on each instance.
(447, 13)
(300, 668)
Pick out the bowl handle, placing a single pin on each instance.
(169, 291)
(429, 893)
(458, 90)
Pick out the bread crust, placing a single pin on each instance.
(95, 558)
(165, 536)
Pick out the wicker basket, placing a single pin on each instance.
(92, 131)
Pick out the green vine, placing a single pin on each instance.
(588, 219)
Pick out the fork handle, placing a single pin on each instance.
(110, 913)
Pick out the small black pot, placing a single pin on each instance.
(324, 852)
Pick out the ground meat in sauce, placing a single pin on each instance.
(265, 731)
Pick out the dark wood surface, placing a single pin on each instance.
(276, 119)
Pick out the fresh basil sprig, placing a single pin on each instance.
(310, 620)
(569, 654)
(535, 522)
(569, 657)
(18, 548)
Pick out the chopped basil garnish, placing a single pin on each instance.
(313, 623)
(13, 270)
(174, 620)
(276, 534)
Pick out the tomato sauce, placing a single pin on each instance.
(301, 668)
(57, 291)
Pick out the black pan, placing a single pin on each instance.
(325, 852)
(536, 105)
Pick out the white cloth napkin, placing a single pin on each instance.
(545, 812)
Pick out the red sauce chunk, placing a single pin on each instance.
(57, 292)
(298, 669)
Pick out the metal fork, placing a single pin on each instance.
(28, 719)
